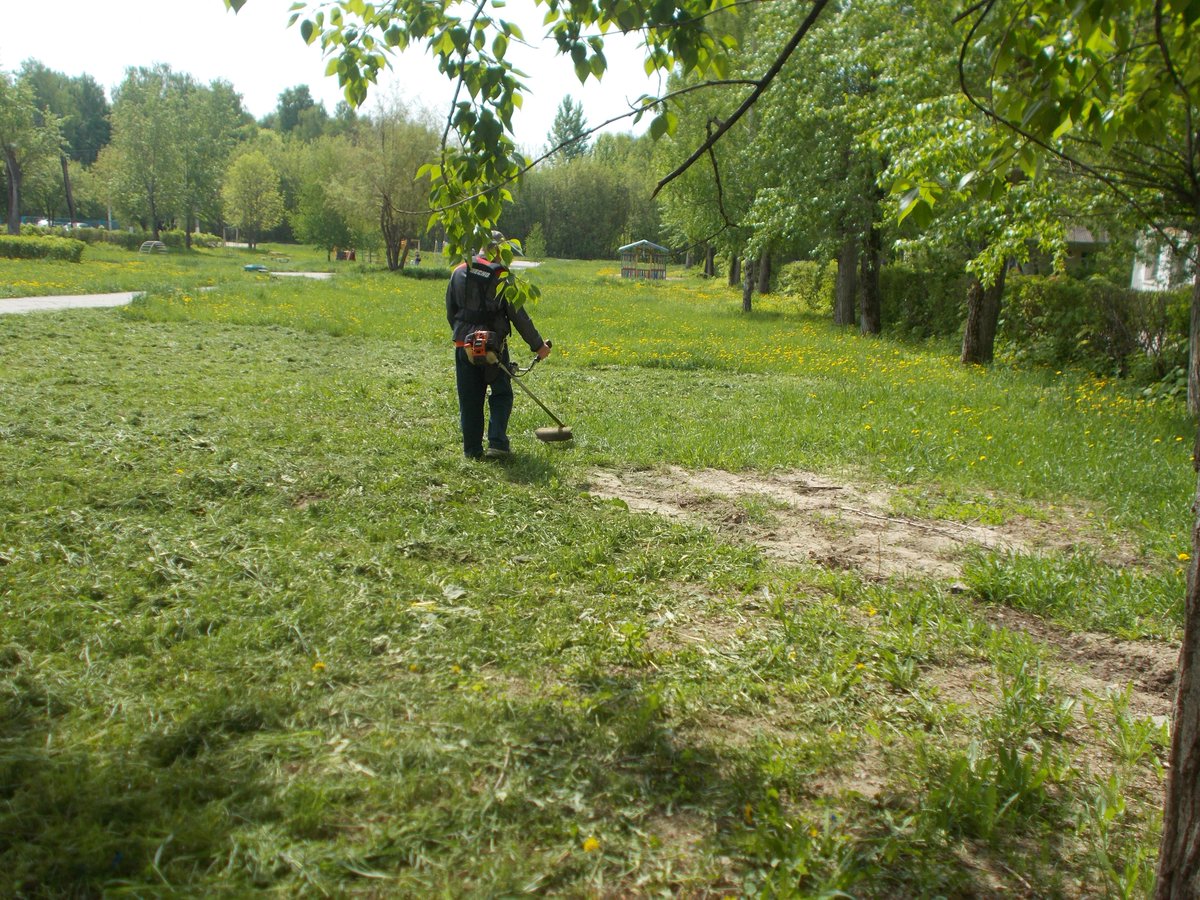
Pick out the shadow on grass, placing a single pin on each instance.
(77, 820)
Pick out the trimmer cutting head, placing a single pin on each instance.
(554, 434)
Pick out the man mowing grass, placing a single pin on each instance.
(482, 321)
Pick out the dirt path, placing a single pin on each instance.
(802, 517)
(807, 518)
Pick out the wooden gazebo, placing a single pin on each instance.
(643, 259)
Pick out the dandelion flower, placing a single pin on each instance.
(591, 845)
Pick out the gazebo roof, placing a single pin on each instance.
(637, 245)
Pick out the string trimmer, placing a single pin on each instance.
(548, 434)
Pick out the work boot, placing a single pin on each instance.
(496, 453)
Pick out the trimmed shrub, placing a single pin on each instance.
(1112, 329)
(41, 247)
(810, 284)
(205, 240)
(175, 239)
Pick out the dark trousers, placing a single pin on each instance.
(472, 390)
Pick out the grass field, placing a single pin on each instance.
(263, 629)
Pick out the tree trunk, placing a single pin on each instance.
(871, 321)
(847, 283)
(13, 170)
(687, 259)
(1193, 393)
(764, 272)
(710, 262)
(391, 237)
(748, 286)
(187, 229)
(1179, 852)
(983, 316)
(735, 270)
(67, 189)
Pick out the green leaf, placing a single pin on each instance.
(916, 206)
(659, 126)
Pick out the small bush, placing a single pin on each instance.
(175, 239)
(811, 284)
(535, 242)
(205, 240)
(41, 247)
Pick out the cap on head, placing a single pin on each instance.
(498, 238)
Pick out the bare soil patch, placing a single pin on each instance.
(1151, 667)
(807, 518)
(803, 517)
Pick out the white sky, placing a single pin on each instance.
(261, 56)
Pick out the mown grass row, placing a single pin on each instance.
(262, 628)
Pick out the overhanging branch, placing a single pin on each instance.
(760, 87)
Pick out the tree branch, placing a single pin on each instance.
(990, 113)
(1184, 93)
(762, 85)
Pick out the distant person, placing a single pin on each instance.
(482, 320)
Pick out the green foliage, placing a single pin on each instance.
(469, 183)
(923, 303)
(251, 195)
(569, 130)
(78, 103)
(812, 284)
(589, 206)
(535, 242)
(1054, 321)
(48, 247)
(28, 138)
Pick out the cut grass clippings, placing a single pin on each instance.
(263, 628)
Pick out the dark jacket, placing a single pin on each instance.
(464, 319)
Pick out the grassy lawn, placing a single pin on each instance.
(263, 628)
(109, 269)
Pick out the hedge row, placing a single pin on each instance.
(1055, 320)
(1111, 328)
(129, 240)
(920, 303)
(438, 273)
(41, 247)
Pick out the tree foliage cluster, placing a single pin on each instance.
(171, 153)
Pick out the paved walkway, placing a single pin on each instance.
(35, 304)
